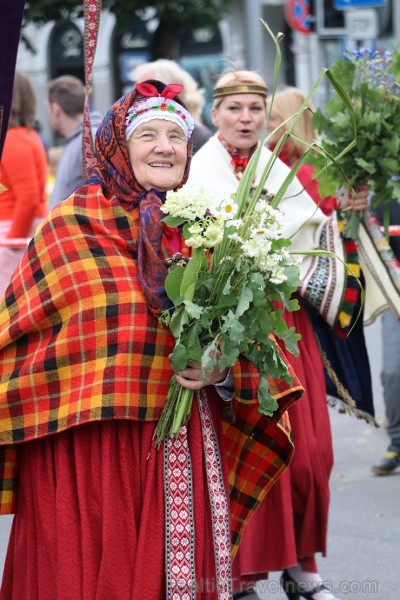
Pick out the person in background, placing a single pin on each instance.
(100, 512)
(23, 172)
(305, 527)
(54, 154)
(390, 372)
(347, 369)
(65, 104)
(290, 525)
(170, 71)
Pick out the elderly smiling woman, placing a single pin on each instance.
(100, 512)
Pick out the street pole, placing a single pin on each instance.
(255, 34)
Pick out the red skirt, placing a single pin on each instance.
(291, 522)
(90, 515)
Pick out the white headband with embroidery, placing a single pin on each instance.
(159, 107)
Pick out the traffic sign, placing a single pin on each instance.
(298, 15)
(361, 24)
(345, 4)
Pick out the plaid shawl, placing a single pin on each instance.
(78, 343)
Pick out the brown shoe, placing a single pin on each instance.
(388, 464)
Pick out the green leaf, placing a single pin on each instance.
(179, 358)
(366, 166)
(293, 278)
(293, 305)
(225, 302)
(395, 65)
(319, 120)
(344, 71)
(193, 345)
(209, 357)
(227, 287)
(268, 404)
(229, 353)
(246, 296)
(179, 319)
(173, 285)
(390, 164)
(290, 338)
(190, 276)
(173, 221)
(392, 143)
(194, 310)
(232, 325)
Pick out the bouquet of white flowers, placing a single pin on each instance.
(229, 297)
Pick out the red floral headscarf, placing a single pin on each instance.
(113, 171)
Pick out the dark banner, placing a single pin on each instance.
(10, 30)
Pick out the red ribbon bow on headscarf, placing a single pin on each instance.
(149, 90)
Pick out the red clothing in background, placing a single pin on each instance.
(305, 175)
(23, 172)
(292, 521)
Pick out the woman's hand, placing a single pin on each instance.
(357, 201)
(191, 377)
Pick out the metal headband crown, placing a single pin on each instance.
(240, 88)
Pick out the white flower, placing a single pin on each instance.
(188, 204)
(196, 228)
(234, 223)
(228, 209)
(213, 235)
(207, 232)
(235, 236)
(260, 234)
(195, 241)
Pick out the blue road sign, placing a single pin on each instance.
(343, 4)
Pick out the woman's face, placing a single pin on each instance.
(158, 154)
(240, 119)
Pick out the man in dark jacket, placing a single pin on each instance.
(66, 102)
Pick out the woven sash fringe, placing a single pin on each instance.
(179, 525)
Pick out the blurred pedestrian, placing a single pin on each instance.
(23, 172)
(170, 71)
(101, 512)
(54, 154)
(347, 370)
(390, 370)
(65, 103)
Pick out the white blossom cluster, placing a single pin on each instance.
(206, 233)
(205, 224)
(256, 244)
(253, 236)
(189, 204)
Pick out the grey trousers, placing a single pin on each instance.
(390, 376)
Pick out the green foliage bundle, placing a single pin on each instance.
(372, 83)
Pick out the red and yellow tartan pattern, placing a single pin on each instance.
(258, 448)
(78, 343)
(8, 479)
(76, 337)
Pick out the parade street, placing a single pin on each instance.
(364, 526)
